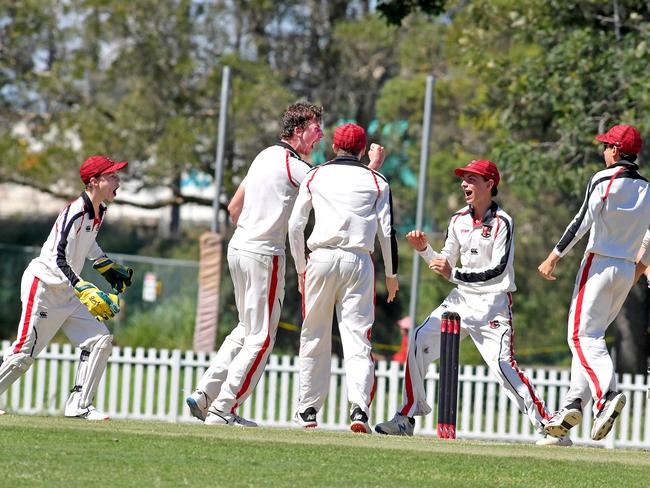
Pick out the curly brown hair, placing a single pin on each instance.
(299, 114)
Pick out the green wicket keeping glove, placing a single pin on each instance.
(99, 304)
(117, 275)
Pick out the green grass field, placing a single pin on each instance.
(59, 452)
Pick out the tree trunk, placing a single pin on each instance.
(632, 340)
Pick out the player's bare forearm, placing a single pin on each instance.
(548, 266)
(236, 204)
(640, 269)
(392, 285)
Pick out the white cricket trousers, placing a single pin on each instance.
(258, 281)
(601, 287)
(487, 319)
(46, 309)
(344, 281)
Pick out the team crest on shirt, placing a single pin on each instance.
(494, 324)
(486, 231)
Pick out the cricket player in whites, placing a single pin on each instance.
(481, 235)
(352, 203)
(616, 212)
(260, 209)
(55, 297)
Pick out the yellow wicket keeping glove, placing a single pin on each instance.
(117, 275)
(99, 304)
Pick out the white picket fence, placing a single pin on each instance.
(151, 384)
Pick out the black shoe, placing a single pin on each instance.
(359, 421)
(306, 419)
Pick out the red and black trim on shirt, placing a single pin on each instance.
(66, 227)
(489, 274)
(294, 154)
(625, 170)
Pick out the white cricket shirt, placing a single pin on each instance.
(615, 211)
(72, 240)
(351, 203)
(486, 248)
(270, 190)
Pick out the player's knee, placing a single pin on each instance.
(105, 342)
(101, 342)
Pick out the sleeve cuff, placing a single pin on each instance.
(428, 254)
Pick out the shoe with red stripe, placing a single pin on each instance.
(604, 421)
(306, 419)
(359, 420)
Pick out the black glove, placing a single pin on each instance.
(117, 275)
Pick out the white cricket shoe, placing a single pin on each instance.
(359, 420)
(561, 422)
(74, 410)
(198, 404)
(217, 417)
(604, 421)
(398, 425)
(2, 412)
(306, 419)
(88, 413)
(549, 440)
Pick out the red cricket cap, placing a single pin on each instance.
(350, 137)
(625, 137)
(481, 167)
(99, 165)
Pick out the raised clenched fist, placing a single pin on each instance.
(376, 155)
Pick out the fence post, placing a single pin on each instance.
(174, 388)
(393, 386)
